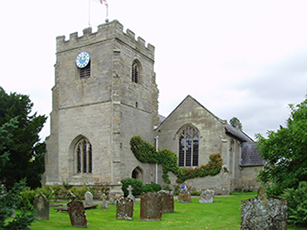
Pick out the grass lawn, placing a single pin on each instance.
(224, 214)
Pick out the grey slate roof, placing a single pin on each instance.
(250, 156)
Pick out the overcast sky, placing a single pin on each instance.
(239, 58)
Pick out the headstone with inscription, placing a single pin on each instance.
(264, 212)
(88, 198)
(168, 201)
(206, 196)
(124, 208)
(77, 214)
(41, 207)
(184, 196)
(151, 206)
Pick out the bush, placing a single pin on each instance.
(152, 187)
(297, 204)
(136, 184)
(79, 192)
(27, 198)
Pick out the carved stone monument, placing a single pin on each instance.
(130, 193)
(124, 208)
(184, 196)
(88, 198)
(206, 196)
(77, 214)
(151, 206)
(168, 201)
(104, 204)
(41, 207)
(264, 212)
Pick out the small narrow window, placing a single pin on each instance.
(135, 72)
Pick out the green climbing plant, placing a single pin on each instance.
(146, 153)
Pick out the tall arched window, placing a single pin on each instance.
(83, 153)
(135, 72)
(86, 71)
(188, 147)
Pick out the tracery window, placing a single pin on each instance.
(83, 152)
(188, 147)
(135, 72)
(86, 71)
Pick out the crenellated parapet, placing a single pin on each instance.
(107, 31)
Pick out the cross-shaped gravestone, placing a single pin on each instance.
(130, 193)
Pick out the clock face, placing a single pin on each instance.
(83, 59)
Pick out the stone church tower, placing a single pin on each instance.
(104, 93)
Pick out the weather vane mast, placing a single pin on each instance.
(101, 2)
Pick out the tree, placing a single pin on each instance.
(235, 122)
(9, 200)
(25, 149)
(285, 152)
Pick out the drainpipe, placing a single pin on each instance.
(157, 147)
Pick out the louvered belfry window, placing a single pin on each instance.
(86, 71)
(83, 152)
(135, 72)
(188, 147)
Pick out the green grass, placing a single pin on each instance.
(224, 214)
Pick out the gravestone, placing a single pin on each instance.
(41, 207)
(168, 201)
(264, 212)
(104, 204)
(124, 208)
(206, 196)
(184, 196)
(130, 193)
(77, 214)
(111, 201)
(88, 198)
(151, 206)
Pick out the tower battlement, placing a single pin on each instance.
(107, 31)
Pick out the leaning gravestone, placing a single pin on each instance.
(88, 198)
(184, 196)
(151, 206)
(168, 201)
(124, 208)
(264, 212)
(77, 214)
(206, 196)
(41, 207)
(130, 193)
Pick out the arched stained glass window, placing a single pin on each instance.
(188, 147)
(83, 152)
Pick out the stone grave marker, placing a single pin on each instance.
(111, 201)
(130, 193)
(77, 214)
(151, 206)
(264, 212)
(184, 196)
(88, 198)
(104, 204)
(168, 201)
(41, 207)
(206, 196)
(124, 208)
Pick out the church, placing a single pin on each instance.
(105, 93)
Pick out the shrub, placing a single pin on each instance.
(152, 187)
(136, 184)
(27, 198)
(79, 192)
(297, 203)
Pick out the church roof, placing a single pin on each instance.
(238, 134)
(250, 156)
